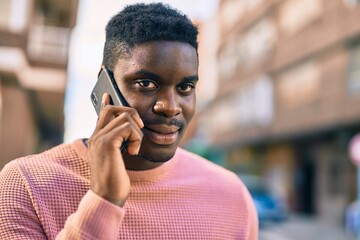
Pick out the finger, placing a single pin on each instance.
(124, 117)
(110, 112)
(106, 115)
(103, 118)
(136, 117)
(134, 147)
(126, 131)
(105, 100)
(122, 128)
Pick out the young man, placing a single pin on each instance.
(89, 189)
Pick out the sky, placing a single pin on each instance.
(85, 55)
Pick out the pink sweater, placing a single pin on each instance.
(47, 196)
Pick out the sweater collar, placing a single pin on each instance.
(150, 175)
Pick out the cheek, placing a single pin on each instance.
(188, 108)
(141, 104)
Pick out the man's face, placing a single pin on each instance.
(158, 79)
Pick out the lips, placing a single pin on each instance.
(162, 134)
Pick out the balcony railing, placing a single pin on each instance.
(48, 44)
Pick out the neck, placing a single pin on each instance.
(138, 163)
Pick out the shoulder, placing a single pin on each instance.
(223, 184)
(63, 156)
(212, 176)
(199, 166)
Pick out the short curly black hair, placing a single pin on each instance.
(140, 23)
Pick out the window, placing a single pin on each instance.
(14, 14)
(353, 78)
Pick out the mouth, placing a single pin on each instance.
(162, 134)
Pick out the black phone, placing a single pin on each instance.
(106, 84)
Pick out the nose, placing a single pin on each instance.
(168, 104)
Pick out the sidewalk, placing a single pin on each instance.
(303, 228)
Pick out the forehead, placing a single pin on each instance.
(161, 56)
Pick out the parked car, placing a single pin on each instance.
(352, 218)
(271, 207)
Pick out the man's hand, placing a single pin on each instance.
(116, 124)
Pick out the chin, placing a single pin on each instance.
(158, 154)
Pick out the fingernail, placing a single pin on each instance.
(103, 98)
(103, 101)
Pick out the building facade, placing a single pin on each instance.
(288, 91)
(34, 40)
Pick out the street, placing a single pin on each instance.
(303, 228)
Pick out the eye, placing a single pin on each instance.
(146, 85)
(185, 88)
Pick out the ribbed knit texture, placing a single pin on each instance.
(47, 196)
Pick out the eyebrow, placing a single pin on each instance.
(145, 73)
(148, 74)
(191, 78)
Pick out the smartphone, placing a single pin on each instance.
(106, 84)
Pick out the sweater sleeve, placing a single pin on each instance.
(18, 219)
(95, 217)
(254, 222)
(253, 227)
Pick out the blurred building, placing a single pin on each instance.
(34, 39)
(288, 97)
